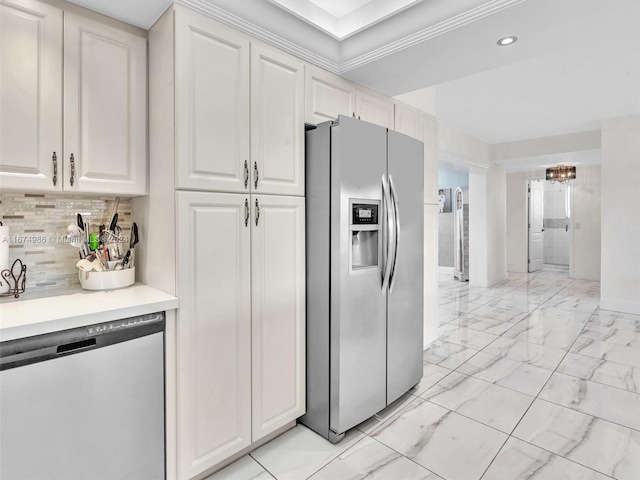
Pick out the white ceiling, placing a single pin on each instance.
(343, 18)
(576, 61)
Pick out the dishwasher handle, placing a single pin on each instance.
(75, 346)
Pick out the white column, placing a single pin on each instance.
(487, 226)
(620, 257)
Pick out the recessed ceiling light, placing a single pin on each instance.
(510, 40)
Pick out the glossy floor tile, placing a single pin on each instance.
(244, 469)
(371, 459)
(601, 371)
(448, 355)
(521, 460)
(602, 401)
(518, 376)
(606, 351)
(527, 380)
(300, 452)
(446, 443)
(603, 446)
(530, 353)
(495, 406)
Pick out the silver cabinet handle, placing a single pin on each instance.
(246, 212)
(246, 174)
(73, 170)
(396, 212)
(255, 174)
(390, 238)
(54, 158)
(257, 212)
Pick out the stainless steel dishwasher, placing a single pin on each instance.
(85, 403)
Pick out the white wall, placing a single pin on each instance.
(497, 224)
(586, 224)
(585, 229)
(620, 280)
(487, 226)
(517, 242)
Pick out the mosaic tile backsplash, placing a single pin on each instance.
(38, 227)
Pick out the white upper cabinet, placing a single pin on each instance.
(327, 96)
(105, 104)
(30, 96)
(408, 121)
(429, 127)
(212, 104)
(277, 122)
(278, 311)
(96, 142)
(374, 108)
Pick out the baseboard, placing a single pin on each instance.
(617, 306)
(584, 276)
(447, 270)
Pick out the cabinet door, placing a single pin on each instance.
(277, 122)
(430, 273)
(105, 108)
(430, 140)
(374, 108)
(278, 311)
(408, 121)
(214, 329)
(30, 95)
(327, 96)
(212, 105)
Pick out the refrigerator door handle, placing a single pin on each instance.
(396, 242)
(387, 234)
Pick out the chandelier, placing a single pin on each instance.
(561, 173)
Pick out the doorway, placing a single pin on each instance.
(535, 199)
(549, 209)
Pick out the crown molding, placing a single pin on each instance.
(227, 18)
(260, 33)
(489, 8)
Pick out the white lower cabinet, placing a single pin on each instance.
(278, 312)
(241, 323)
(214, 329)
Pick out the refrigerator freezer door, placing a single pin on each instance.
(405, 301)
(358, 307)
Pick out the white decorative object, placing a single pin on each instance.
(110, 280)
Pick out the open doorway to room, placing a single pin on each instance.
(452, 227)
(549, 222)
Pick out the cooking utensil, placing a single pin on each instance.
(114, 222)
(75, 238)
(127, 261)
(114, 213)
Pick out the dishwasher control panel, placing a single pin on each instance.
(124, 323)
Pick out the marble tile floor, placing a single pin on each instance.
(528, 380)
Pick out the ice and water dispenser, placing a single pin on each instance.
(364, 226)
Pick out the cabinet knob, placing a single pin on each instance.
(257, 212)
(54, 158)
(256, 176)
(73, 169)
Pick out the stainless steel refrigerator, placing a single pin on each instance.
(364, 200)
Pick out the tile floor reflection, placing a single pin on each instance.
(528, 380)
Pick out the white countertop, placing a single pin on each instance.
(25, 317)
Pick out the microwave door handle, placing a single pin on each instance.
(387, 228)
(396, 242)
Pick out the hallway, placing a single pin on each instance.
(527, 380)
